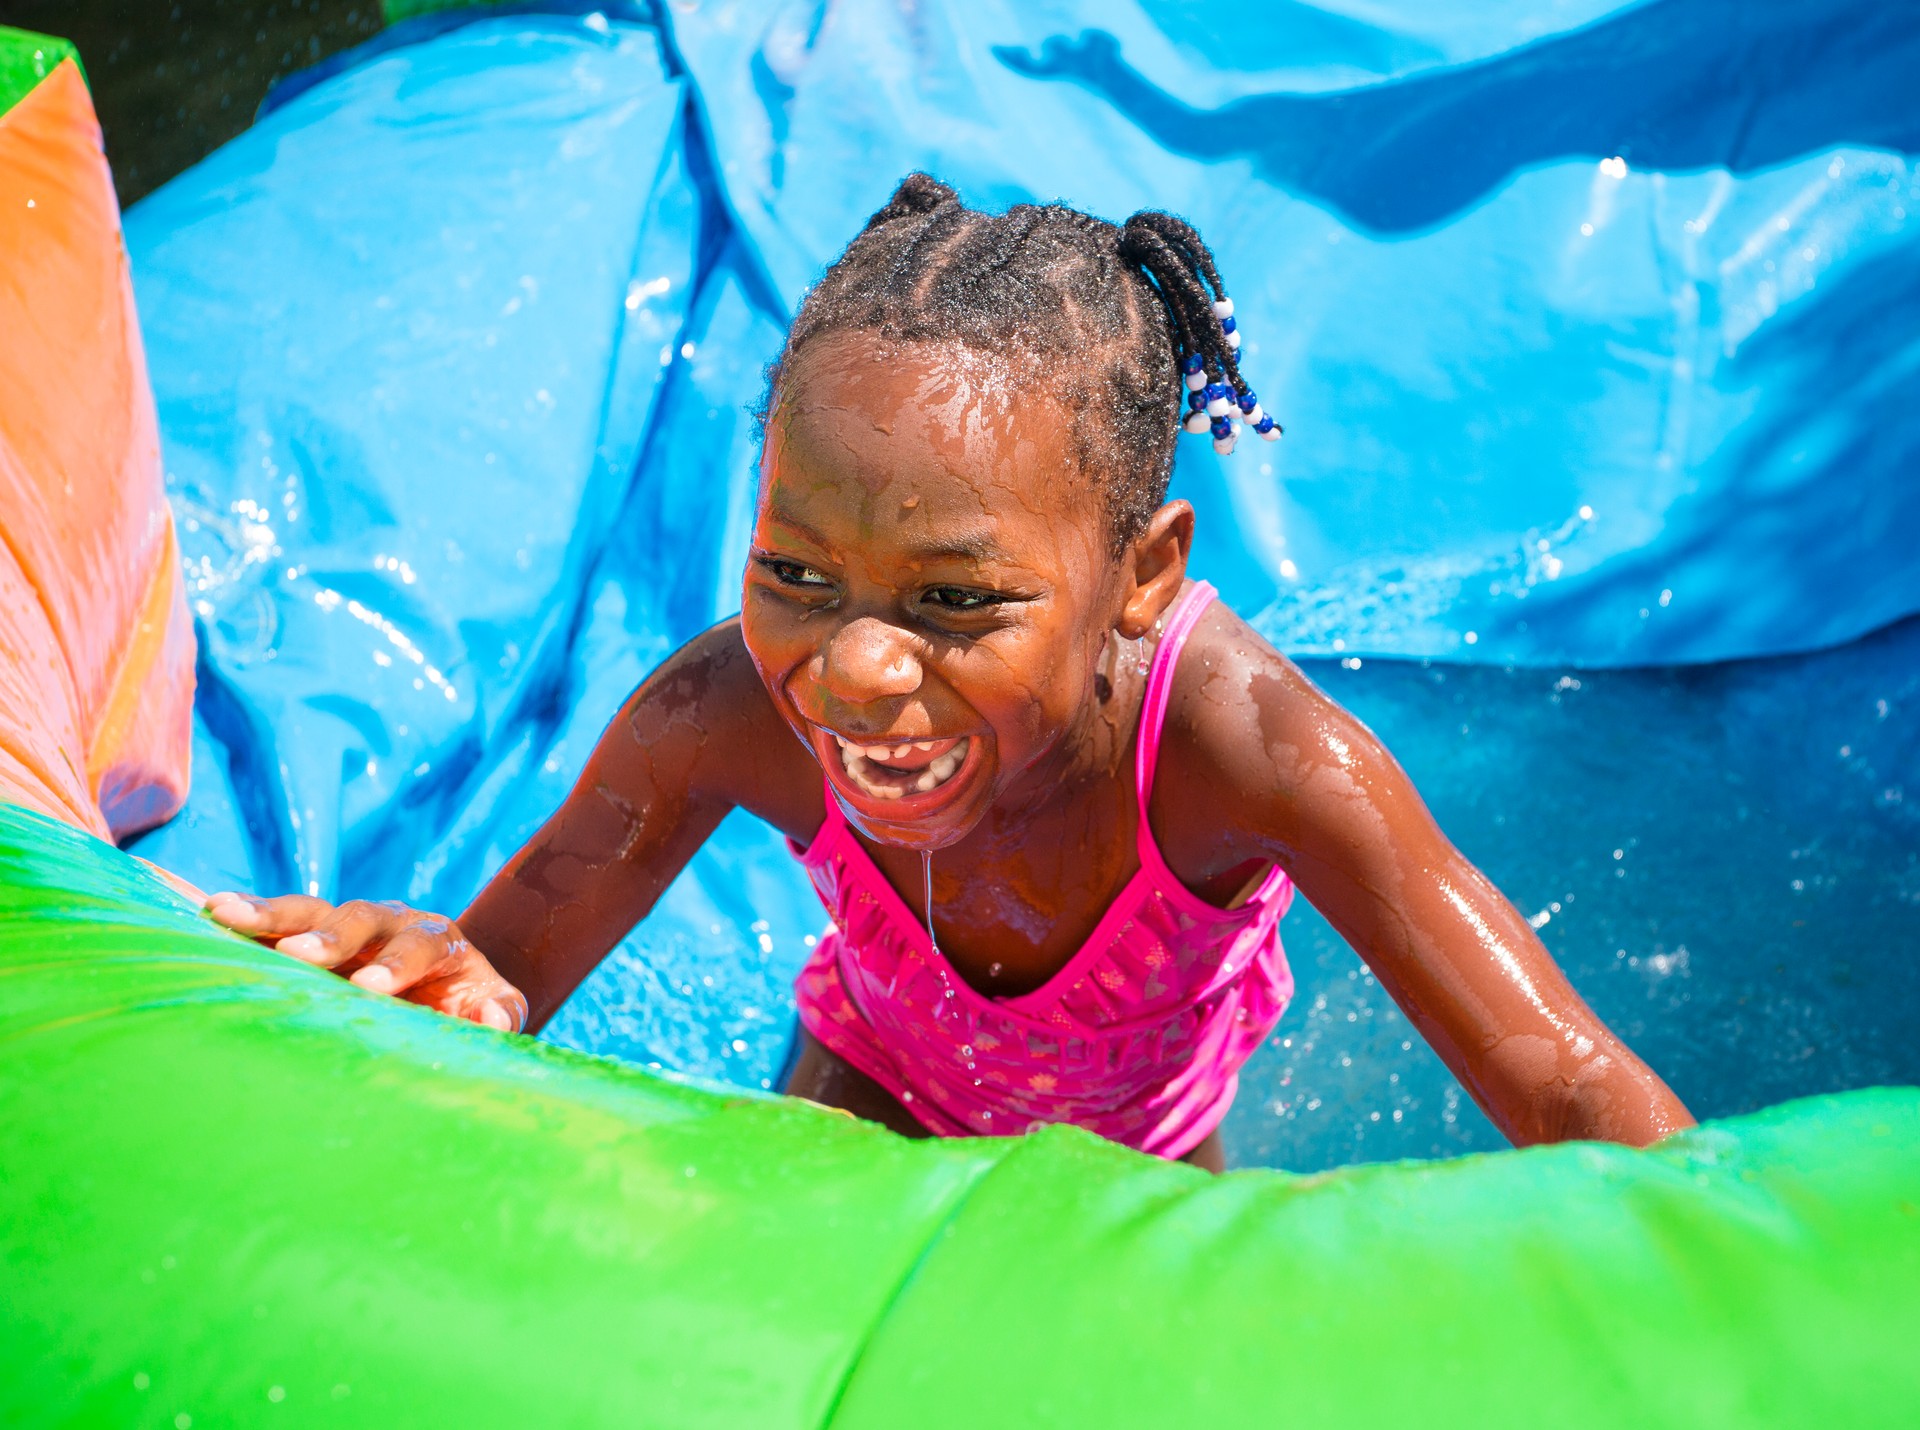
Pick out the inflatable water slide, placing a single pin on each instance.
(237, 1191)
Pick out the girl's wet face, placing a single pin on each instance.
(931, 583)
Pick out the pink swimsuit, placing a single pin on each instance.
(1140, 1037)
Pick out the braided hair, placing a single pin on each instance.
(1118, 322)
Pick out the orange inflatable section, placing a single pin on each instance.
(96, 644)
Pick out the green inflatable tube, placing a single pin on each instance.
(238, 1191)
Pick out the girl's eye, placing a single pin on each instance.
(959, 598)
(792, 573)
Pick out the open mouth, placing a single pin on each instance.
(899, 771)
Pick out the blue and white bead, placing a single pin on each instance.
(1223, 310)
(1215, 406)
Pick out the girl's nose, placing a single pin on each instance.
(868, 660)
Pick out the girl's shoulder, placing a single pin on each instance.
(1248, 735)
(1232, 690)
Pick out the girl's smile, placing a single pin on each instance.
(891, 771)
(915, 778)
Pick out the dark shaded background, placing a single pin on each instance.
(174, 81)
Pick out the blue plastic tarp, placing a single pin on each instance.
(415, 337)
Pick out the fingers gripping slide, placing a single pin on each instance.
(383, 947)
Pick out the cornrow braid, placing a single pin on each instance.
(1112, 319)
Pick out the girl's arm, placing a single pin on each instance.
(1312, 789)
(697, 738)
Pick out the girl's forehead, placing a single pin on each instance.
(938, 431)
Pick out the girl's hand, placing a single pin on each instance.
(383, 948)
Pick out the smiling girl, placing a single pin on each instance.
(1054, 796)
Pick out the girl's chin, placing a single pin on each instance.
(922, 836)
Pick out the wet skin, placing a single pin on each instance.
(932, 581)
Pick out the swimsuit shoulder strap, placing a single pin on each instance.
(1180, 622)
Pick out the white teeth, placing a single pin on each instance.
(885, 752)
(855, 759)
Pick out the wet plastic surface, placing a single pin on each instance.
(454, 352)
(348, 1210)
(533, 507)
(96, 687)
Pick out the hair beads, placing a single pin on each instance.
(1206, 333)
(1226, 405)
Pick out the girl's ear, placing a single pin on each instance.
(1157, 568)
